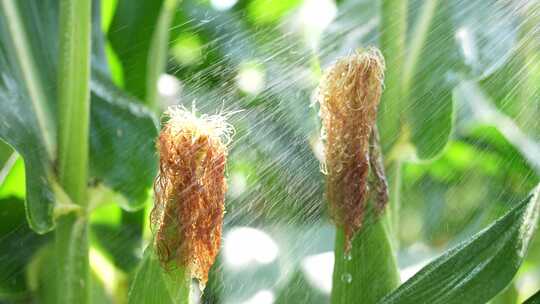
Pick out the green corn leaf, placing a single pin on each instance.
(149, 285)
(428, 79)
(138, 34)
(514, 87)
(479, 268)
(508, 296)
(487, 32)
(451, 38)
(154, 285)
(299, 290)
(534, 299)
(19, 128)
(482, 110)
(130, 34)
(5, 155)
(354, 280)
(122, 132)
(443, 39)
(19, 243)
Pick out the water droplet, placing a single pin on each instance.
(346, 278)
(323, 168)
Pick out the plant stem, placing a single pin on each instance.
(369, 272)
(157, 55)
(393, 32)
(417, 43)
(530, 56)
(74, 108)
(74, 97)
(395, 202)
(72, 268)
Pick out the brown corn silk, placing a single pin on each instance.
(349, 95)
(189, 191)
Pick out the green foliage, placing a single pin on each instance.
(370, 260)
(20, 130)
(428, 79)
(153, 285)
(462, 274)
(138, 34)
(114, 119)
(534, 299)
(118, 125)
(19, 243)
(31, 107)
(130, 35)
(269, 11)
(299, 291)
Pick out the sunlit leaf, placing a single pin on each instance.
(5, 153)
(268, 11)
(479, 268)
(12, 178)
